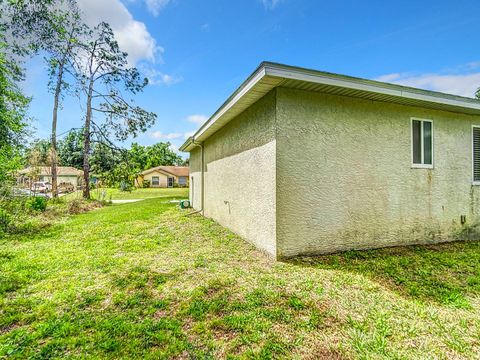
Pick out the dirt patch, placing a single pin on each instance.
(160, 314)
(321, 354)
(81, 206)
(8, 328)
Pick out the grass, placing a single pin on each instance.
(446, 273)
(143, 280)
(116, 194)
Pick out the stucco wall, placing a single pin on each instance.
(344, 176)
(195, 178)
(240, 175)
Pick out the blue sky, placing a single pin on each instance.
(196, 53)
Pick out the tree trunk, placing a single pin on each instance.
(86, 147)
(56, 100)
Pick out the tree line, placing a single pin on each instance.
(81, 61)
(113, 166)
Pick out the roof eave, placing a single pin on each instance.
(373, 86)
(270, 75)
(258, 74)
(186, 145)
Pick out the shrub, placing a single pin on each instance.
(5, 220)
(125, 186)
(146, 184)
(36, 203)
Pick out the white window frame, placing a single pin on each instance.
(473, 165)
(422, 166)
(158, 184)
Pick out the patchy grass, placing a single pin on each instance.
(143, 280)
(116, 194)
(446, 273)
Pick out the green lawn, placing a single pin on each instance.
(143, 280)
(116, 194)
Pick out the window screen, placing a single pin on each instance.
(476, 153)
(417, 141)
(155, 180)
(427, 142)
(422, 142)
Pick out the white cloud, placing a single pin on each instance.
(457, 84)
(174, 148)
(188, 134)
(156, 6)
(156, 77)
(197, 118)
(162, 136)
(389, 77)
(270, 4)
(132, 35)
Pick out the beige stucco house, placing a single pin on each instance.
(299, 161)
(65, 174)
(164, 176)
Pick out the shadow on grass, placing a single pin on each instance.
(444, 273)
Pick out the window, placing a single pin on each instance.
(155, 181)
(182, 180)
(422, 143)
(476, 154)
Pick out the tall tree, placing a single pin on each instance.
(13, 103)
(41, 150)
(13, 107)
(146, 157)
(70, 149)
(65, 28)
(55, 28)
(105, 73)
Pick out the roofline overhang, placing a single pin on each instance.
(269, 75)
(165, 172)
(186, 144)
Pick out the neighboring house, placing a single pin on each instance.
(164, 176)
(65, 174)
(300, 161)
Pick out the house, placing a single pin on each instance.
(65, 174)
(300, 161)
(164, 176)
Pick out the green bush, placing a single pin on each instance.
(146, 184)
(125, 186)
(5, 220)
(36, 203)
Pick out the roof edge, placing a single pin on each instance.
(288, 72)
(272, 70)
(186, 144)
(254, 77)
(156, 168)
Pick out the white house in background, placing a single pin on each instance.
(65, 174)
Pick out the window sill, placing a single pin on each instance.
(421, 166)
(476, 183)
